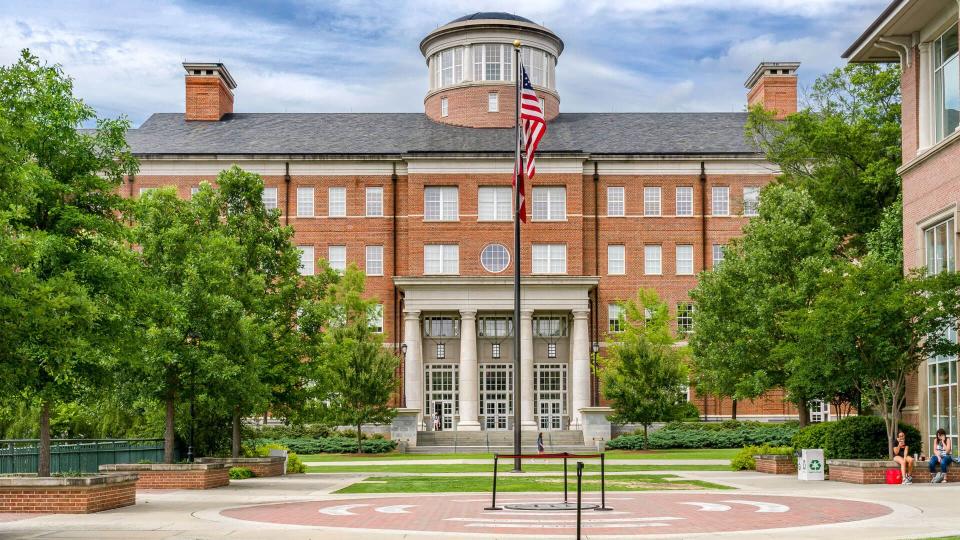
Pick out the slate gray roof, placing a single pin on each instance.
(401, 133)
(481, 15)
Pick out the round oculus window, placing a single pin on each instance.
(495, 258)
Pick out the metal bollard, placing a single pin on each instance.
(579, 495)
(493, 502)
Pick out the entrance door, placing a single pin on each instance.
(442, 391)
(443, 415)
(551, 414)
(495, 415)
(550, 390)
(496, 395)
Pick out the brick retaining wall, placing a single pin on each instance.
(58, 495)
(775, 464)
(175, 476)
(261, 466)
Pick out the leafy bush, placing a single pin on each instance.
(744, 461)
(289, 432)
(728, 434)
(854, 437)
(294, 463)
(331, 445)
(240, 473)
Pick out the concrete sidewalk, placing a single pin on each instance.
(407, 462)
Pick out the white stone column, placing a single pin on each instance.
(469, 392)
(924, 110)
(580, 367)
(412, 370)
(528, 421)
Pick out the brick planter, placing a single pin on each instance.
(775, 464)
(860, 471)
(261, 466)
(174, 476)
(59, 495)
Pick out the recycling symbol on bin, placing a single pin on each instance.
(815, 465)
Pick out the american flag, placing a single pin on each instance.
(534, 127)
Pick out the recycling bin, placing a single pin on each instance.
(810, 464)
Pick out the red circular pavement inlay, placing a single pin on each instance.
(633, 513)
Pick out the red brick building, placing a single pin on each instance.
(422, 202)
(922, 37)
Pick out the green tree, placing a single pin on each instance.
(63, 266)
(645, 374)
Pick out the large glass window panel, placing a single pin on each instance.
(306, 260)
(337, 202)
(494, 203)
(616, 255)
(492, 62)
(615, 205)
(550, 203)
(939, 246)
(651, 201)
(440, 203)
(441, 259)
(549, 258)
(337, 257)
(652, 260)
(721, 201)
(305, 202)
(751, 201)
(684, 259)
(684, 201)
(946, 84)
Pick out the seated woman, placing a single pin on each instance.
(901, 454)
(942, 449)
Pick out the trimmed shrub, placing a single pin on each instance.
(854, 437)
(240, 473)
(294, 463)
(330, 445)
(728, 434)
(744, 461)
(813, 436)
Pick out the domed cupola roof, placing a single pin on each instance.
(491, 15)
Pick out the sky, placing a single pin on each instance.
(363, 56)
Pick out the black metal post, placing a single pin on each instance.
(579, 497)
(603, 485)
(493, 502)
(518, 181)
(193, 396)
(564, 480)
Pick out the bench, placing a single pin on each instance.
(874, 471)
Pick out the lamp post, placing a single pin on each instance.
(403, 394)
(596, 375)
(193, 339)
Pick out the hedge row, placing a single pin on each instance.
(744, 461)
(854, 437)
(331, 445)
(729, 434)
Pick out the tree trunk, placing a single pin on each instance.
(645, 436)
(168, 434)
(359, 439)
(43, 459)
(235, 447)
(804, 412)
(733, 410)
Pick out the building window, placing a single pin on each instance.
(494, 203)
(539, 65)
(651, 201)
(550, 203)
(551, 350)
(441, 259)
(939, 247)
(305, 202)
(306, 260)
(495, 351)
(495, 258)
(374, 202)
(444, 107)
(449, 67)
(942, 393)
(549, 258)
(269, 198)
(493, 102)
(751, 201)
(685, 201)
(615, 206)
(652, 260)
(492, 62)
(196, 189)
(440, 203)
(376, 318)
(441, 392)
(337, 257)
(721, 201)
(495, 326)
(819, 411)
(684, 260)
(145, 190)
(684, 318)
(615, 320)
(946, 82)
(550, 326)
(337, 202)
(718, 252)
(616, 254)
(440, 326)
(374, 260)
(441, 351)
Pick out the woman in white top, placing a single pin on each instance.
(942, 450)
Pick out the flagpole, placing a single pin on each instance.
(518, 178)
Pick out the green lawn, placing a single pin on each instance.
(479, 484)
(705, 453)
(460, 468)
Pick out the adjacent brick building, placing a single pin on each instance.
(922, 36)
(422, 202)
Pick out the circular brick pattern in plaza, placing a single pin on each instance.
(633, 513)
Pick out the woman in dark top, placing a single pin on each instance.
(901, 454)
(942, 449)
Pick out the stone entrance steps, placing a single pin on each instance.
(437, 442)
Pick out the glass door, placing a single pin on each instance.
(496, 396)
(442, 396)
(550, 391)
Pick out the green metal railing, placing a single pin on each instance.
(77, 455)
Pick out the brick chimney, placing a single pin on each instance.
(209, 91)
(774, 85)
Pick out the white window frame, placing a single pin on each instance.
(441, 259)
(305, 202)
(651, 201)
(194, 190)
(373, 260)
(614, 316)
(616, 203)
(373, 201)
(936, 258)
(337, 202)
(505, 261)
(653, 265)
(939, 69)
(685, 312)
(481, 67)
(270, 198)
(684, 259)
(493, 102)
(616, 259)
(444, 107)
(550, 203)
(441, 203)
(448, 67)
(307, 258)
(720, 201)
(494, 203)
(751, 201)
(376, 319)
(942, 379)
(719, 252)
(549, 258)
(684, 201)
(337, 257)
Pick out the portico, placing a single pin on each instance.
(458, 332)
